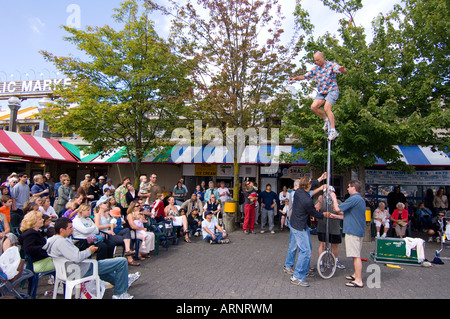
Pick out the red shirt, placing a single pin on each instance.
(7, 212)
(403, 216)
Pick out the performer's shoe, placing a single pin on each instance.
(332, 134)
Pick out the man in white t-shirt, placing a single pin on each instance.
(209, 226)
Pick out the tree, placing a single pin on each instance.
(128, 93)
(241, 68)
(394, 92)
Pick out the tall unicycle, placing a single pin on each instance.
(326, 264)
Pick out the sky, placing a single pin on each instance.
(28, 26)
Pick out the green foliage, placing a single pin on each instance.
(129, 91)
(395, 91)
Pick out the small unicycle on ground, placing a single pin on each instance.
(326, 264)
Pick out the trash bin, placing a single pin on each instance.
(230, 215)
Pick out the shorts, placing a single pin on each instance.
(353, 245)
(333, 239)
(330, 96)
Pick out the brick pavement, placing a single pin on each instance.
(251, 267)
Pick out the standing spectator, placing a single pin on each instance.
(334, 228)
(93, 191)
(302, 211)
(121, 192)
(209, 191)
(87, 179)
(101, 182)
(39, 187)
(154, 189)
(51, 187)
(57, 186)
(179, 193)
(354, 216)
(65, 194)
(198, 191)
(131, 194)
(109, 185)
(440, 201)
(21, 192)
(224, 193)
(395, 197)
(250, 198)
(268, 200)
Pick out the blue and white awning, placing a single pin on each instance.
(259, 154)
(420, 156)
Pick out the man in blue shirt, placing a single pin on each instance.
(354, 215)
(268, 200)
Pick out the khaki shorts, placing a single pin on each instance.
(353, 245)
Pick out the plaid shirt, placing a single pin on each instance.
(325, 77)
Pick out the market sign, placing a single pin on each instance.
(205, 170)
(426, 178)
(31, 87)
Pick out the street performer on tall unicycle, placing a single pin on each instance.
(324, 74)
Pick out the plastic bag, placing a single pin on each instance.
(88, 290)
(9, 262)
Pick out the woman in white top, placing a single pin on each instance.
(144, 250)
(86, 233)
(171, 211)
(47, 209)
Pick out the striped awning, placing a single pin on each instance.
(253, 154)
(27, 147)
(420, 156)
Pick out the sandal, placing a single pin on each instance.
(187, 240)
(353, 284)
(129, 252)
(145, 255)
(350, 278)
(133, 263)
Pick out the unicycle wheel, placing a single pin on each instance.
(326, 265)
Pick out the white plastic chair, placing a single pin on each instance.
(72, 279)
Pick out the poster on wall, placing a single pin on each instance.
(426, 178)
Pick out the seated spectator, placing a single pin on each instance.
(171, 211)
(147, 244)
(192, 203)
(212, 205)
(32, 240)
(209, 226)
(194, 223)
(424, 216)
(33, 204)
(48, 229)
(47, 209)
(157, 210)
(381, 218)
(72, 206)
(5, 209)
(400, 220)
(7, 239)
(112, 270)
(437, 227)
(112, 226)
(85, 233)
